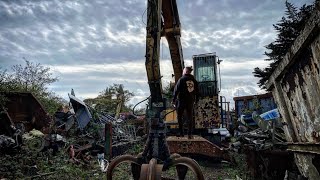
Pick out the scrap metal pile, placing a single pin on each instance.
(25, 126)
(265, 147)
(265, 135)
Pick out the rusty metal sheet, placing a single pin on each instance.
(207, 113)
(6, 124)
(308, 165)
(25, 108)
(301, 90)
(197, 145)
(313, 148)
(295, 85)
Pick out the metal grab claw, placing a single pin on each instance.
(153, 170)
(156, 157)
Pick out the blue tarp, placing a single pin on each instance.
(270, 115)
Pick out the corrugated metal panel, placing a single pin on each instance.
(295, 85)
(239, 107)
(265, 101)
(267, 104)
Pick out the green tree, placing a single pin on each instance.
(288, 29)
(32, 78)
(168, 91)
(110, 98)
(4, 87)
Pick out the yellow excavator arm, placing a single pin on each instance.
(162, 21)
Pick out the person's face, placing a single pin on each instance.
(185, 71)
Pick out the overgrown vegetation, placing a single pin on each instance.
(28, 165)
(288, 29)
(33, 78)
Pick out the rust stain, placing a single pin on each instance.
(197, 145)
(298, 96)
(207, 113)
(26, 109)
(301, 87)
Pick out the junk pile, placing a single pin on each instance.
(83, 139)
(265, 147)
(268, 133)
(21, 114)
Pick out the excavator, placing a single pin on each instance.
(161, 152)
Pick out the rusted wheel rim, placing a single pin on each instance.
(120, 159)
(191, 164)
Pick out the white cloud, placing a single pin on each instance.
(130, 68)
(92, 44)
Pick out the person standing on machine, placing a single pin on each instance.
(185, 95)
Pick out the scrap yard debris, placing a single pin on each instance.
(265, 147)
(34, 144)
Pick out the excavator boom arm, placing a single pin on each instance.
(162, 20)
(172, 32)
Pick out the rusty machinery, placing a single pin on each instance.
(162, 20)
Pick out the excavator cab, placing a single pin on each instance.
(206, 110)
(205, 72)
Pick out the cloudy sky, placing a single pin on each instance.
(90, 45)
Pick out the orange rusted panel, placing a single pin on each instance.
(196, 145)
(26, 109)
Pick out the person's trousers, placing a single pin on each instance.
(185, 113)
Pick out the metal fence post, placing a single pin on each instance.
(108, 141)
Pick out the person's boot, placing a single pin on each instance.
(190, 135)
(181, 134)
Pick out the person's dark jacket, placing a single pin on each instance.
(186, 89)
